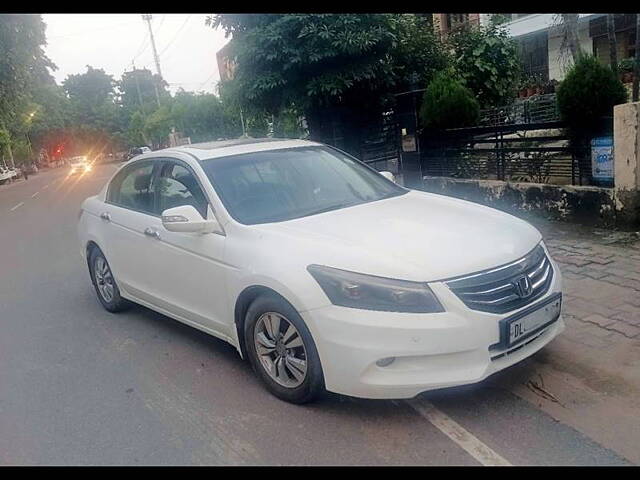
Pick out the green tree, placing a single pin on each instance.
(447, 103)
(22, 63)
(486, 58)
(137, 90)
(93, 87)
(157, 126)
(588, 92)
(203, 117)
(326, 66)
(95, 116)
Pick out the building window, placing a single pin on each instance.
(534, 54)
(454, 20)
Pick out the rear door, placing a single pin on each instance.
(131, 221)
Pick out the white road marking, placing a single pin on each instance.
(35, 195)
(471, 444)
(17, 206)
(46, 186)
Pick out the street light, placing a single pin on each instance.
(27, 133)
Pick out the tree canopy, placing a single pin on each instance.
(486, 58)
(306, 61)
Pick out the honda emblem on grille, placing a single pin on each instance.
(522, 286)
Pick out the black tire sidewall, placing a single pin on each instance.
(117, 303)
(313, 384)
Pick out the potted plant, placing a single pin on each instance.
(531, 90)
(522, 87)
(625, 67)
(549, 87)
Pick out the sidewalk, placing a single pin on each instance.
(589, 376)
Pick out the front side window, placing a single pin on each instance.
(134, 188)
(177, 186)
(280, 185)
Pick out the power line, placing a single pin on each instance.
(207, 80)
(176, 35)
(141, 48)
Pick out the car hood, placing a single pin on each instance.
(416, 236)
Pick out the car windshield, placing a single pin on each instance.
(77, 160)
(279, 185)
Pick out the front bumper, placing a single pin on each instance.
(431, 351)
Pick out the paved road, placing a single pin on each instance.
(81, 386)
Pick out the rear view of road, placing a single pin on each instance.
(79, 385)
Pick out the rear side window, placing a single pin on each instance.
(134, 189)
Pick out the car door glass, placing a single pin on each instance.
(135, 190)
(177, 186)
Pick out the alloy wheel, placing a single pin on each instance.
(104, 279)
(280, 349)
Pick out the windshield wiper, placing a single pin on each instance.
(325, 209)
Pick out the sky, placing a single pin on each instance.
(186, 46)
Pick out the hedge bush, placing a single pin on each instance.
(588, 93)
(447, 103)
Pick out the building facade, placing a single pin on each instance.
(540, 37)
(226, 66)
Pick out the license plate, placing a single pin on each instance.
(521, 328)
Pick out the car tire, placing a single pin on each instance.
(298, 392)
(109, 297)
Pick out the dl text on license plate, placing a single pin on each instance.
(520, 328)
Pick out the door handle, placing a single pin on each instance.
(105, 216)
(150, 232)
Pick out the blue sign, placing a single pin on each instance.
(602, 159)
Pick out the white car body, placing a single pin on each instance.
(198, 279)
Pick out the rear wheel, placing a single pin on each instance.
(281, 350)
(104, 282)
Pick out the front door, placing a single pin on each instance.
(190, 268)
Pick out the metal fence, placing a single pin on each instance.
(531, 152)
(379, 146)
(534, 109)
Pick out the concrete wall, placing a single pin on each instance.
(604, 207)
(585, 205)
(626, 145)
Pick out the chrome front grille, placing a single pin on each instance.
(506, 288)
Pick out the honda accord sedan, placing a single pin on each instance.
(322, 272)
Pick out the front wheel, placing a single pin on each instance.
(104, 282)
(282, 351)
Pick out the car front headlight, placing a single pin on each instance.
(368, 292)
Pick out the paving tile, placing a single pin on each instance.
(593, 273)
(627, 330)
(632, 318)
(599, 320)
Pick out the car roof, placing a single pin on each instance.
(225, 148)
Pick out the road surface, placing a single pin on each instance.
(79, 385)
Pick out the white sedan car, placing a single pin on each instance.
(322, 272)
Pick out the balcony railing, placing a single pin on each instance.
(534, 109)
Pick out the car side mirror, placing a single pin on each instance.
(388, 176)
(187, 219)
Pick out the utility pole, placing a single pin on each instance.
(147, 18)
(135, 76)
(636, 62)
(244, 131)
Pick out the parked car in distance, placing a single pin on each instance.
(5, 174)
(79, 165)
(322, 272)
(136, 151)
